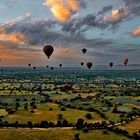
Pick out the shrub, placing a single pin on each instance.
(62, 109)
(88, 116)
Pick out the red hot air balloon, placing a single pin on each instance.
(125, 62)
(89, 65)
(48, 50)
(60, 65)
(84, 50)
(111, 64)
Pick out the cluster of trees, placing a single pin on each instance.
(42, 124)
(117, 130)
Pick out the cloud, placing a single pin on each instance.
(10, 56)
(36, 32)
(13, 37)
(63, 10)
(91, 21)
(105, 9)
(42, 32)
(133, 6)
(116, 16)
(136, 32)
(82, 4)
(80, 25)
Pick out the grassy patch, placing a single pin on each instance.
(56, 134)
(43, 113)
(133, 126)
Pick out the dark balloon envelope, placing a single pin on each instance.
(52, 68)
(60, 65)
(48, 50)
(34, 68)
(84, 50)
(82, 63)
(89, 65)
(29, 65)
(125, 62)
(47, 66)
(111, 64)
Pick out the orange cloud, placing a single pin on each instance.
(63, 10)
(136, 32)
(14, 37)
(116, 15)
(1, 30)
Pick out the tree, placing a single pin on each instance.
(1, 123)
(17, 105)
(60, 116)
(26, 106)
(65, 123)
(16, 124)
(80, 123)
(30, 124)
(34, 106)
(112, 123)
(76, 136)
(88, 116)
(115, 110)
(59, 124)
(51, 124)
(44, 124)
(32, 111)
(6, 123)
(103, 124)
(136, 136)
(50, 108)
(85, 130)
(62, 109)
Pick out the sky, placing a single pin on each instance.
(109, 29)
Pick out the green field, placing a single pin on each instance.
(108, 102)
(43, 113)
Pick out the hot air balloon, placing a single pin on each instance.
(111, 64)
(82, 63)
(84, 50)
(34, 68)
(47, 66)
(51, 68)
(125, 62)
(60, 65)
(89, 65)
(29, 65)
(48, 50)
